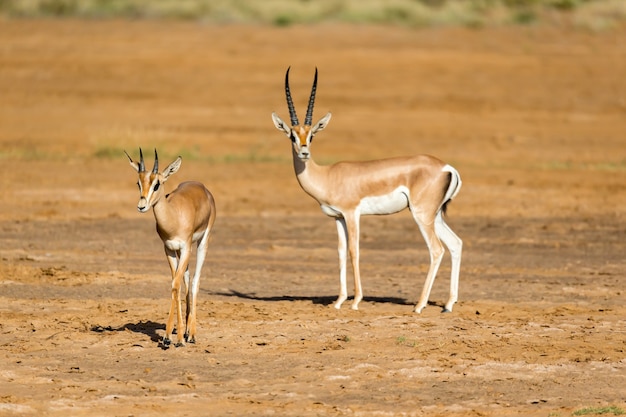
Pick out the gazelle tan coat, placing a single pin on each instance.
(183, 217)
(348, 190)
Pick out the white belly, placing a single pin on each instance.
(179, 244)
(174, 244)
(330, 211)
(390, 203)
(385, 204)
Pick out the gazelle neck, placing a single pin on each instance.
(310, 176)
(161, 208)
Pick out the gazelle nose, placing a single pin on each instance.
(142, 206)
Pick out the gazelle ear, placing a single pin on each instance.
(280, 125)
(172, 168)
(133, 164)
(321, 125)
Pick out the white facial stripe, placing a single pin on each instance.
(148, 196)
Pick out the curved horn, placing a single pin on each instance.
(155, 170)
(292, 109)
(142, 166)
(309, 111)
(129, 158)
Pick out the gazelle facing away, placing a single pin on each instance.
(348, 190)
(183, 217)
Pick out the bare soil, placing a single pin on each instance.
(533, 118)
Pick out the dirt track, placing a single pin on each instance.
(534, 119)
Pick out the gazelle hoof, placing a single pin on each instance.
(446, 310)
(180, 344)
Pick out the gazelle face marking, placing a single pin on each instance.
(301, 136)
(150, 183)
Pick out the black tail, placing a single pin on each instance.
(444, 206)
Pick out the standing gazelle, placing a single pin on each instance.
(183, 217)
(348, 190)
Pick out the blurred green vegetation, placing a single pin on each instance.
(593, 14)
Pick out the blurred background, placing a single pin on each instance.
(519, 95)
(591, 14)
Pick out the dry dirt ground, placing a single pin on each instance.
(534, 119)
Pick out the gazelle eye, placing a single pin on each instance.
(138, 185)
(293, 137)
(156, 186)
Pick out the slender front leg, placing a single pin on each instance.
(175, 306)
(172, 260)
(342, 234)
(352, 222)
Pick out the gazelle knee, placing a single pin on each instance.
(437, 252)
(456, 248)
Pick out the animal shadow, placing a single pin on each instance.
(149, 328)
(322, 300)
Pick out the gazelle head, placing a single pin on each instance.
(150, 183)
(301, 135)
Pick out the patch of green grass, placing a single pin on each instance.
(251, 157)
(109, 153)
(188, 154)
(525, 17)
(610, 166)
(593, 411)
(403, 341)
(115, 152)
(26, 154)
(282, 20)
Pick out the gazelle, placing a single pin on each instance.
(183, 217)
(348, 190)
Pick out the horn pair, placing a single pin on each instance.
(308, 120)
(142, 165)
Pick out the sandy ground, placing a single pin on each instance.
(534, 119)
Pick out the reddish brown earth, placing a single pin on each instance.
(534, 119)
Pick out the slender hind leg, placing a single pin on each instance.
(455, 246)
(436, 251)
(192, 294)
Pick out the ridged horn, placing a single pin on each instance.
(128, 156)
(155, 170)
(142, 166)
(309, 111)
(292, 109)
